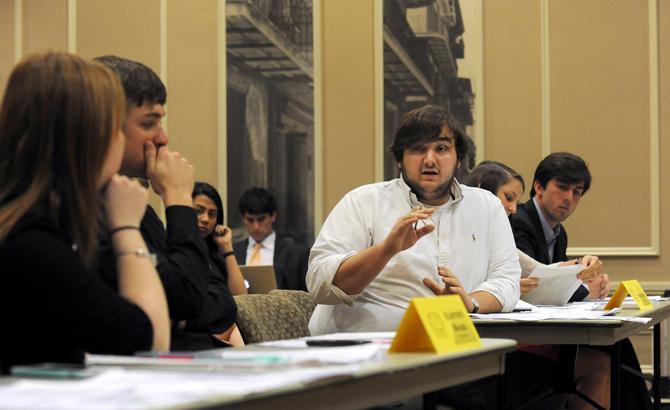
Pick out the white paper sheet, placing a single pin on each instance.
(557, 284)
(312, 355)
(141, 389)
(569, 312)
(259, 360)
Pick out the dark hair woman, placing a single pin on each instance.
(209, 210)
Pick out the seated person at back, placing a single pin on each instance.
(61, 145)
(264, 247)
(592, 367)
(560, 181)
(508, 185)
(218, 237)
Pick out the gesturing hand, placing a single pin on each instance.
(452, 286)
(403, 235)
(171, 175)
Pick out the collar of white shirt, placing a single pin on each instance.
(268, 243)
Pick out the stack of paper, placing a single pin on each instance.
(573, 311)
(557, 284)
(140, 389)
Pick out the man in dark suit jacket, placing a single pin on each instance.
(560, 181)
(264, 247)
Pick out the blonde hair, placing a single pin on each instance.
(57, 118)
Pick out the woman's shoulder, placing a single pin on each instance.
(34, 228)
(33, 239)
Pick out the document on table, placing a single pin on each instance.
(572, 311)
(557, 284)
(311, 355)
(246, 359)
(629, 302)
(123, 389)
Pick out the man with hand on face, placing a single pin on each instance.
(418, 235)
(182, 256)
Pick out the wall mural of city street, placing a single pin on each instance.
(270, 114)
(423, 43)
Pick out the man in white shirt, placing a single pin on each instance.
(386, 243)
(263, 247)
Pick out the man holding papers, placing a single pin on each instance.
(560, 181)
(386, 243)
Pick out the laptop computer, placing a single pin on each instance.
(260, 279)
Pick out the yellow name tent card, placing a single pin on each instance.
(438, 324)
(633, 288)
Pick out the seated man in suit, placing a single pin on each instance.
(264, 247)
(560, 181)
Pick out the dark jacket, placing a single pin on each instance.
(529, 238)
(54, 308)
(192, 285)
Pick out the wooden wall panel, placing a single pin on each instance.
(6, 42)
(599, 74)
(653, 271)
(127, 28)
(347, 97)
(44, 26)
(512, 64)
(192, 84)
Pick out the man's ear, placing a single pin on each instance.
(537, 186)
(273, 217)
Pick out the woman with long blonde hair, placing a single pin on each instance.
(61, 146)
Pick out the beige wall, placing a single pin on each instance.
(348, 96)
(570, 75)
(6, 41)
(181, 48)
(575, 76)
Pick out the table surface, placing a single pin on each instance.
(397, 376)
(586, 331)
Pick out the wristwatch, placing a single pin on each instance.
(475, 305)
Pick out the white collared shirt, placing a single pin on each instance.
(473, 238)
(267, 251)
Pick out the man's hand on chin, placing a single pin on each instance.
(171, 175)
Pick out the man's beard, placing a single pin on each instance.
(422, 195)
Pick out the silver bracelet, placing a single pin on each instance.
(142, 253)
